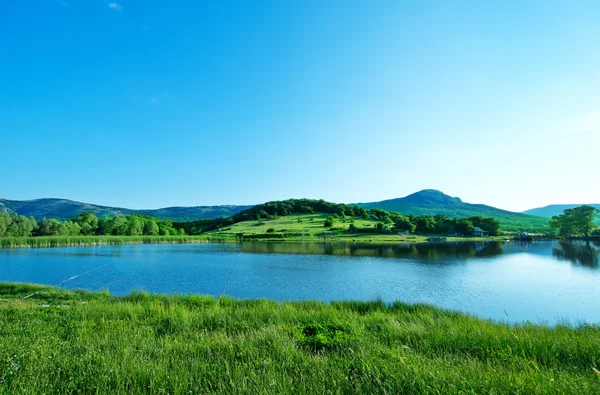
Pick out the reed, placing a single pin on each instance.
(69, 241)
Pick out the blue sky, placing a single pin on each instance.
(146, 104)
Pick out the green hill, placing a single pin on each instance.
(554, 209)
(433, 202)
(64, 209)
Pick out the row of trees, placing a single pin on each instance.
(14, 225)
(423, 224)
(87, 224)
(579, 222)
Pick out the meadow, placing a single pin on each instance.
(310, 227)
(60, 341)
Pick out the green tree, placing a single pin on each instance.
(119, 226)
(150, 228)
(402, 222)
(4, 220)
(88, 223)
(578, 221)
(135, 226)
(329, 222)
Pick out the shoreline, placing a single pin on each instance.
(375, 239)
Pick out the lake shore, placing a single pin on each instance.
(95, 342)
(80, 241)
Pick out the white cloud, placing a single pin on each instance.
(586, 123)
(62, 3)
(115, 6)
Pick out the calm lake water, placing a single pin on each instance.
(547, 282)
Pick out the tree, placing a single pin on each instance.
(328, 222)
(88, 223)
(464, 226)
(578, 221)
(402, 222)
(150, 228)
(135, 226)
(119, 226)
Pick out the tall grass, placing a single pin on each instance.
(79, 342)
(66, 241)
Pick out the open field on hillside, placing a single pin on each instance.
(79, 342)
(309, 227)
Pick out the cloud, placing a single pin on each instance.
(115, 6)
(62, 3)
(587, 123)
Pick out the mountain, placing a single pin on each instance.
(554, 209)
(66, 209)
(432, 202)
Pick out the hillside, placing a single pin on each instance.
(554, 209)
(64, 209)
(432, 202)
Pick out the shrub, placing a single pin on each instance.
(323, 336)
(270, 230)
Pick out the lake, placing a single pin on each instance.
(543, 282)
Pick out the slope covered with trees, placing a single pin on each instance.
(63, 209)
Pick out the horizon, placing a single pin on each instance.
(147, 106)
(254, 204)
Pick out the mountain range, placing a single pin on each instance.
(426, 202)
(64, 209)
(432, 202)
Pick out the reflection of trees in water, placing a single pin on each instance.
(579, 253)
(402, 250)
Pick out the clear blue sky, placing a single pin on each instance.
(146, 104)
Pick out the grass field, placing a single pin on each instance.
(307, 227)
(79, 342)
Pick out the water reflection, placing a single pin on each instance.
(423, 251)
(579, 253)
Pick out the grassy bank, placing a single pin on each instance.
(78, 342)
(67, 241)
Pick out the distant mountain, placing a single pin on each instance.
(66, 209)
(554, 209)
(432, 202)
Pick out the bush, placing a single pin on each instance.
(323, 337)
(270, 230)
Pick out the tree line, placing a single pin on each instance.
(577, 222)
(386, 221)
(86, 224)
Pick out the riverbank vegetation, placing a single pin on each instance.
(577, 222)
(86, 224)
(293, 219)
(94, 342)
(71, 241)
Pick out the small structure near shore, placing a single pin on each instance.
(478, 232)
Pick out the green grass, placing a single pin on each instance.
(68, 241)
(79, 342)
(307, 227)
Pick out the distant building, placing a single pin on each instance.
(480, 232)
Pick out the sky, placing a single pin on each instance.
(147, 104)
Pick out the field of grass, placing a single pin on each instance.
(307, 227)
(68, 241)
(78, 342)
